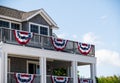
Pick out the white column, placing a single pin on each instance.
(41, 70)
(1, 64)
(5, 63)
(74, 72)
(42, 61)
(93, 72)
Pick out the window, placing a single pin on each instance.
(4, 24)
(34, 28)
(15, 26)
(33, 67)
(43, 30)
(8, 65)
(40, 29)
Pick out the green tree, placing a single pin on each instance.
(109, 79)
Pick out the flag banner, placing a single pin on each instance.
(59, 44)
(85, 81)
(84, 48)
(22, 37)
(24, 78)
(57, 79)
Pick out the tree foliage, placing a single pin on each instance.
(109, 79)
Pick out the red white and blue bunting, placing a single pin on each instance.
(59, 44)
(24, 78)
(56, 79)
(84, 48)
(85, 81)
(22, 37)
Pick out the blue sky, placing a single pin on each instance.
(91, 21)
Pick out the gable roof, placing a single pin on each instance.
(21, 16)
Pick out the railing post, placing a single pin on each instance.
(42, 41)
(74, 47)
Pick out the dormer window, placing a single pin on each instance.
(15, 26)
(43, 30)
(10, 24)
(38, 28)
(34, 28)
(4, 24)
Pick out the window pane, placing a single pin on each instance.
(4, 24)
(37, 69)
(15, 26)
(32, 68)
(34, 28)
(43, 30)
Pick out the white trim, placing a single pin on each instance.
(8, 65)
(33, 62)
(49, 18)
(39, 25)
(5, 66)
(10, 18)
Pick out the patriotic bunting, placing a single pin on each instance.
(85, 81)
(84, 48)
(24, 78)
(59, 44)
(22, 37)
(56, 79)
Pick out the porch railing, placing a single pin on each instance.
(40, 41)
(11, 78)
(49, 79)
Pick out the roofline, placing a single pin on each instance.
(45, 16)
(10, 18)
(41, 12)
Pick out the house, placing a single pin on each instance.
(29, 52)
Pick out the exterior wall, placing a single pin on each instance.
(25, 26)
(19, 64)
(50, 32)
(39, 20)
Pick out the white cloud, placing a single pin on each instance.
(91, 38)
(105, 56)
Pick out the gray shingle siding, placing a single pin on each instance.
(25, 26)
(39, 20)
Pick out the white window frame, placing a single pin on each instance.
(8, 70)
(12, 22)
(39, 25)
(33, 62)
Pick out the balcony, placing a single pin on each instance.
(43, 42)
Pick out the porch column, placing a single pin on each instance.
(1, 64)
(74, 72)
(5, 67)
(42, 61)
(93, 72)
